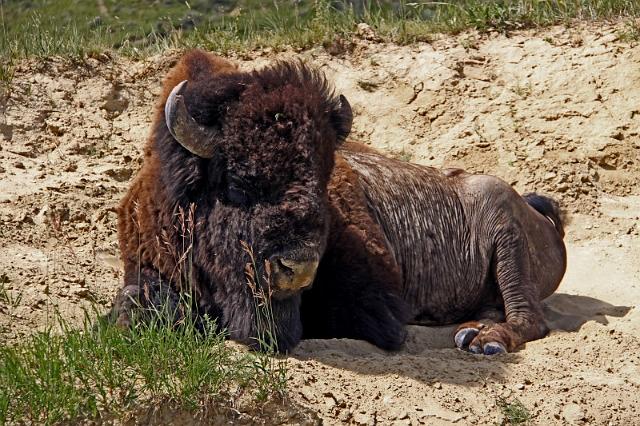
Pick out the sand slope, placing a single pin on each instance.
(556, 111)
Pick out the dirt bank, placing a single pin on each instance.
(555, 111)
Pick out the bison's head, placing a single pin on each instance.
(254, 153)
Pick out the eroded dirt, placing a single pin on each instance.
(555, 110)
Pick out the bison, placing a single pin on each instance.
(354, 244)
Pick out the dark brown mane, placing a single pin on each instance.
(298, 74)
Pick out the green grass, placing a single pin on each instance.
(630, 32)
(101, 372)
(515, 413)
(140, 27)
(79, 28)
(8, 300)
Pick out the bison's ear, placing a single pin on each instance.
(342, 119)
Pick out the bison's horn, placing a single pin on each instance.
(345, 109)
(345, 118)
(196, 138)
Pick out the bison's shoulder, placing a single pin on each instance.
(145, 214)
(353, 227)
(352, 146)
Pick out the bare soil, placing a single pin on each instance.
(554, 110)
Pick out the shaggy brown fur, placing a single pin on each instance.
(395, 242)
(268, 187)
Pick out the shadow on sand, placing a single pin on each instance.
(429, 354)
(569, 312)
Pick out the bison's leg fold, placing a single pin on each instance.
(524, 318)
(145, 294)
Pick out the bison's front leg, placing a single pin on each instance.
(145, 294)
(355, 295)
(346, 307)
(524, 318)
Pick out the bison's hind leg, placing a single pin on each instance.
(523, 311)
(513, 237)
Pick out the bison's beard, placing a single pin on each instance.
(248, 308)
(265, 327)
(285, 325)
(237, 281)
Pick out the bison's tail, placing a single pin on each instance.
(548, 207)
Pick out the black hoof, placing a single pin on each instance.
(494, 348)
(491, 348)
(465, 336)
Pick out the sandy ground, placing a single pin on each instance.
(556, 111)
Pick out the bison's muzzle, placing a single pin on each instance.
(290, 276)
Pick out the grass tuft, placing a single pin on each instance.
(100, 372)
(275, 377)
(168, 357)
(515, 413)
(8, 300)
(630, 32)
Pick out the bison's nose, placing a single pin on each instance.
(293, 275)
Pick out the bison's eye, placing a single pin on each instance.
(237, 195)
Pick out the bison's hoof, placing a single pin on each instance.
(465, 336)
(491, 348)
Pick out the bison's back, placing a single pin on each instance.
(428, 233)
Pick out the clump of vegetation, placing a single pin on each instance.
(100, 371)
(523, 90)
(274, 378)
(514, 412)
(630, 32)
(140, 27)
(403, 155)
(7, 298)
